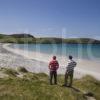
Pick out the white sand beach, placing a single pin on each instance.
(38, 62)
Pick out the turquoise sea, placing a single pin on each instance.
(83, 51)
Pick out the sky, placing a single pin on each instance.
(51, 18)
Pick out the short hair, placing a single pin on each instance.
(70, 57)
(54, 57)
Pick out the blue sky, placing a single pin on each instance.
(44, 18)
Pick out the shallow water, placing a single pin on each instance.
(81, 51)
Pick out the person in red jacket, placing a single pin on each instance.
(53, 66)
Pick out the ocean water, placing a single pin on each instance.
(81, 51)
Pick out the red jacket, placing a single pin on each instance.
(53, 65)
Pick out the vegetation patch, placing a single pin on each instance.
(35, 86)
(27, 38)
(22, 69)
(10, 72)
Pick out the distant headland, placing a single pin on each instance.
(28, 38)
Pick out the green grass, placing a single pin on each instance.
(36, 87)
(10, 72)
(89, 84)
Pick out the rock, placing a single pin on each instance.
(90, 94)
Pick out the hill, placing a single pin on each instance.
(82, 40)
(27, 38)
(22, 35)
(17, 38)
(23, 85)
(68, 40)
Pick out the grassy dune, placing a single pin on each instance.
(23, 85)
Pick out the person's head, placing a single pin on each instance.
(54, 57)
(70, 57)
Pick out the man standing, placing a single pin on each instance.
(69, 71)
(53, 66)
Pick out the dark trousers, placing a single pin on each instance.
(53, 74)
(69, 75)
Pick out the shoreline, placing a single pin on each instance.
(80, 70)
(10, 59)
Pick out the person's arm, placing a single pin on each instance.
(57, 65)
(68, 64)
(75, 64)
(49, 65)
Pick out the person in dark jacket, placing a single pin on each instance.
(53, 66)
